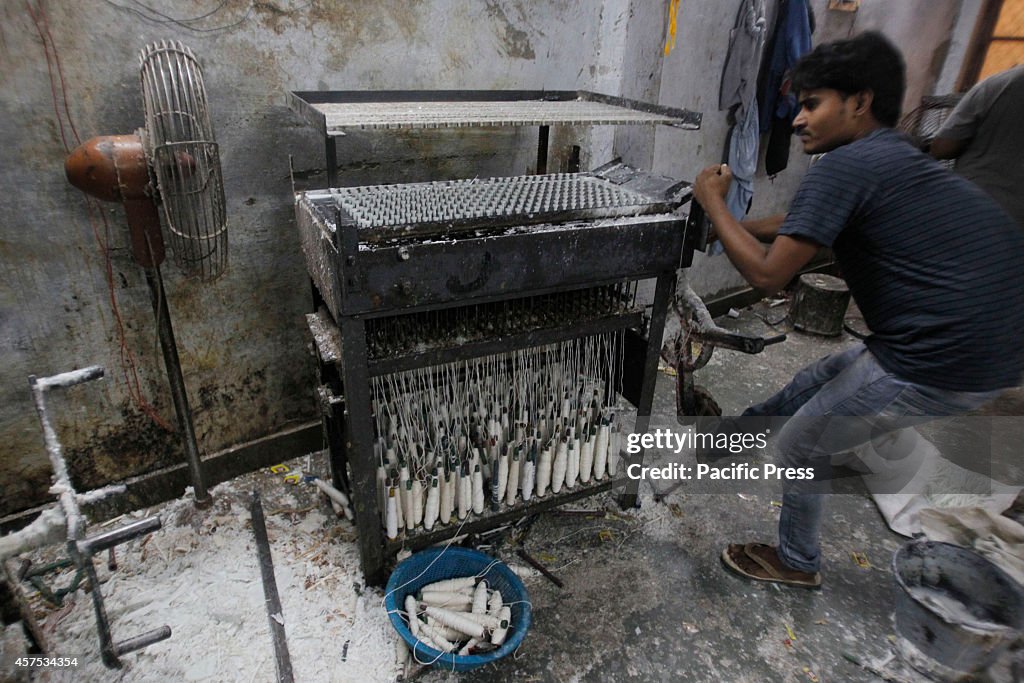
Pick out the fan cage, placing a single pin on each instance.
(184, 158)
(921, 124)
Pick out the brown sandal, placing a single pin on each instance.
(760, 562)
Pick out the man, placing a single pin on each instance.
(932, 262)
(985, 134)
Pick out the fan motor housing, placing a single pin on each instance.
(114, 168)
(110, 167)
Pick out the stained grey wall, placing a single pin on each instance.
(241, 339)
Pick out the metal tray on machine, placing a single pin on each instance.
(385, 214)
(333, 112)
(389, 264)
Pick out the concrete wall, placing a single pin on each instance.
(959, 41)
(241, 339)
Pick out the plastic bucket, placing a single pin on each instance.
(954, 607)
(437, 564)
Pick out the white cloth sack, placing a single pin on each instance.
(1000, 539)
(928, 487)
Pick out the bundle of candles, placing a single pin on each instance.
(490, 432)
(460, 615)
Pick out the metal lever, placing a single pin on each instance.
(697, 224)
(696, 231)
(740, 342)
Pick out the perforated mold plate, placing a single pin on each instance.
(518, 199)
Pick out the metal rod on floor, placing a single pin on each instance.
(272, 599)
(541, 568)
(177, 383)
(139, 642)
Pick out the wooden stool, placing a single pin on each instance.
(819, 304)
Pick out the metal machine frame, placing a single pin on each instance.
(353, 285)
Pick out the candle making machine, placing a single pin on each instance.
(473, 336)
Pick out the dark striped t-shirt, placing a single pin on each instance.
(935, 265)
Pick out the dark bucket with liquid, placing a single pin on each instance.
(955, 611)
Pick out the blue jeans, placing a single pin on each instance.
(871, 401)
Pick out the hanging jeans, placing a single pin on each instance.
(838, 403)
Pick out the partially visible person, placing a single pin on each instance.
(933, 263)
(985, 134)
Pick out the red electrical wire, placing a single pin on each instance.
(60, 73)
(49, 69)
(127, 357)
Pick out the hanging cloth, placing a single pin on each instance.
(778, 106)
(738, 93)
(742, 162)
(743, 59)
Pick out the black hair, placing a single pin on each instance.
(867, 62)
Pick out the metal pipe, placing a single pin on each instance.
(61, 478)
(81, 550)
(70, 378)
(107, 650)
(139, 642)
(541, 568)
(177, 383)
(108, 539)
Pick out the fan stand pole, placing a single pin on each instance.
(181, 408)
(116, 168)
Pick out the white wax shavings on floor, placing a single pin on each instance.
(199, 575)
